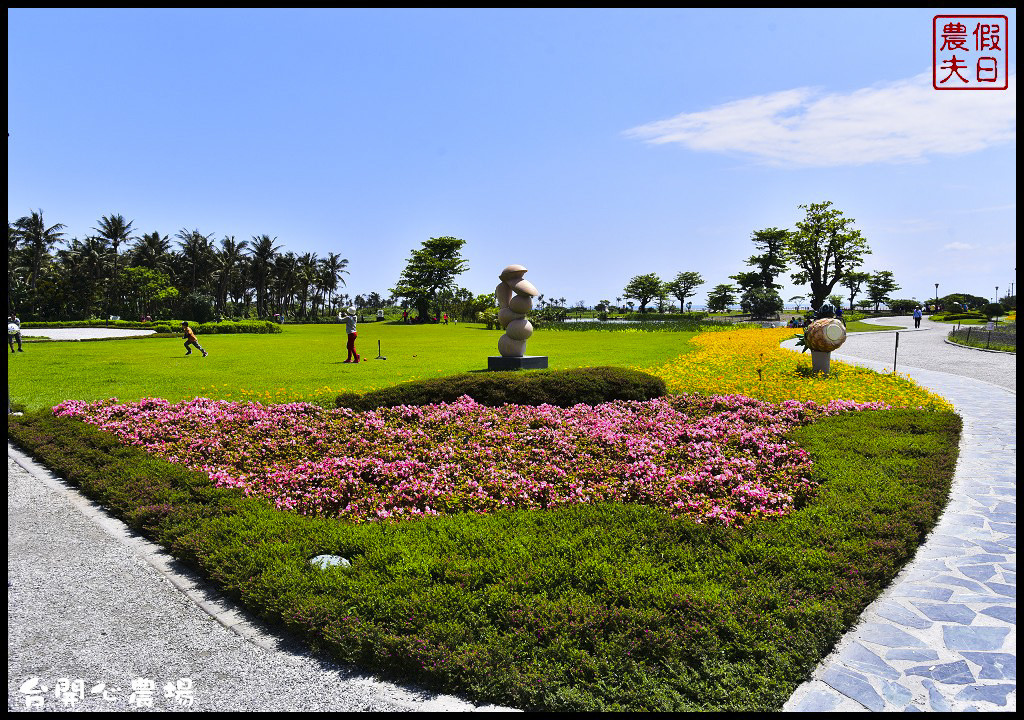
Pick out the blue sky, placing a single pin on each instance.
(588, 145)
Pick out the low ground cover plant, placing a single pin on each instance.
(601, 606)
(750, 362)
(719, 460)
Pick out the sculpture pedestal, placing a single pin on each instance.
(526, 362)
(820, 362)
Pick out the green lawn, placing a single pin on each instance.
(858, 326)
(305, 362)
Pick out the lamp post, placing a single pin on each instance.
(936, 297)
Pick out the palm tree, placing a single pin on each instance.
(115, 231)
(283, 281)
(152, 251)
(229, 261)
(197, 254)
(306, 279)
(333, 268)
(262, 252)
(83, 266)
(38, 240)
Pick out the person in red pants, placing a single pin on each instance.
(350, 327)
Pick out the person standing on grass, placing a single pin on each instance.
(350, 328)
(190, 339)
(14, 322)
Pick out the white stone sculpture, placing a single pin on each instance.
(515, 299)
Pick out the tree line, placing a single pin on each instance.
(114, 272)
(823, 251)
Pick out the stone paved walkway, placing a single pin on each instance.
(943, 636)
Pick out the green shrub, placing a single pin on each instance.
(960, 316)
(563, 388)
(260, 327)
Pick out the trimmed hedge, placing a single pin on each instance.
(168, 326)
(563, 388)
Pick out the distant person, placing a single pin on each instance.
(190, 339)
(350, 321)
(445, 317)
(917, 318)
(839, 315)
(14, 324)
(405, 317)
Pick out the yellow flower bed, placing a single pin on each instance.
(750, 362)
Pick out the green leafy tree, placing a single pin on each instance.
(759, 294)
(854, 281)
(824, 248)
(643, 289)
(903, 306)
(721, 297)
(880, 287)
(150, 292)
(683, 285)
(992, 310)
(431, 269)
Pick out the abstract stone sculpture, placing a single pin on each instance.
(515, 299)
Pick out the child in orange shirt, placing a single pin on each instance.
(190, 339)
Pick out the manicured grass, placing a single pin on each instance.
(304, 362)
(858, 326)
(592, 607)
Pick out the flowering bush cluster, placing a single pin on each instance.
(714, 459)
(750, 362)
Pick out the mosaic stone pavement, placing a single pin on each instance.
(943, 636)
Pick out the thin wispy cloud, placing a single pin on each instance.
(957, 246)
(898, 122)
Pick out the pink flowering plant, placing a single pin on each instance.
(721, 460)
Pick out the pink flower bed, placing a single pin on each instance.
(720, 459)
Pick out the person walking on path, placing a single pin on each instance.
(350, 328)
(917, 318)
(190, 339)
(14, 323)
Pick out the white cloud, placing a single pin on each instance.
(903, 121)
(957, 246)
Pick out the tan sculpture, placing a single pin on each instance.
(822, 337)
(515, 299)
(825, 335)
